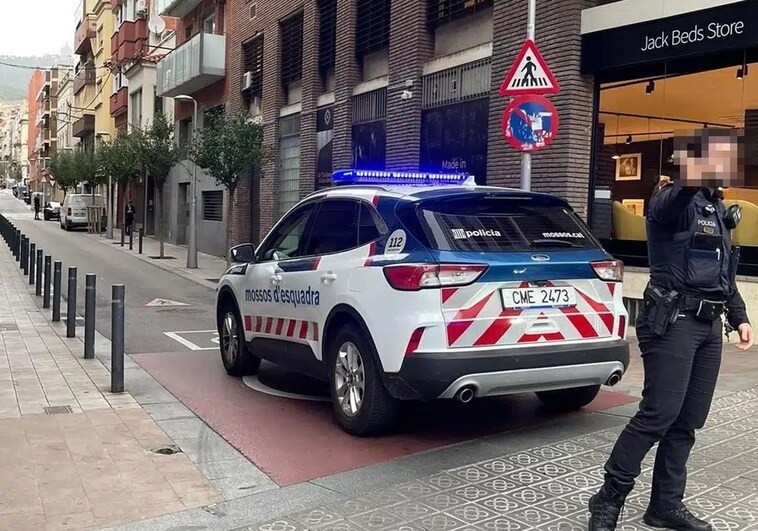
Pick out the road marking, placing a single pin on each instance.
(165, 302)
(186, 342)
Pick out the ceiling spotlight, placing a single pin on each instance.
(615, 156)
(650, 87)
(628, 140)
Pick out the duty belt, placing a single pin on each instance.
(701, 307)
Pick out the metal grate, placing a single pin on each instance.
(370, 106)
(372, 32)
(213, 205)
(327, 47)
(58, 410)
(292, 48)
(444, 11)
(461, 83)
(252, 56)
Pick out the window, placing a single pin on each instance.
(335, 228)
(252, 58)
(188, 32)
(253, 10)
(287, 239)
(372, 32)
(135, 107)
(444, 11)
(292, 49)
(157, 102)
(185, 135)
(209, 24)
(289, 161)
(213, 205)
(370, 224)
(327, 46)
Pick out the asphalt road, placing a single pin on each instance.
(145, 325)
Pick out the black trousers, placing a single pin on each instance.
(681, 370)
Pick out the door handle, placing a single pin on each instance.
(326, 278)
(276, 279)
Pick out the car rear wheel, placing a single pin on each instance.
(362, 405)
(569, 399)
(237, 360)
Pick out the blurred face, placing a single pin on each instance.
(719, 160)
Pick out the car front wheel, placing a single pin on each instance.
(361, 403)
(565, 400)
(237, 360)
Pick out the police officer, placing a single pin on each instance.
(692, 284)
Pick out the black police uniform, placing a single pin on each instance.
(690, 252)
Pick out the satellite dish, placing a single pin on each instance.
(156, 25)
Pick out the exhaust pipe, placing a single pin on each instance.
(465, 395)
(614, 379)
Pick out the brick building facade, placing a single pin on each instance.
(359, 61)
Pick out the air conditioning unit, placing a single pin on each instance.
(247, 80)
(141, 8)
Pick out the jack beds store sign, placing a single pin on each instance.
(730, 27)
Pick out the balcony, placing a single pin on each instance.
(130, 41)
(84, 126)
(192, 66)
(176, 8)
(84, 32)
(119, 102)
(84, 77)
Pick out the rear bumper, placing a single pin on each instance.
(432, 375)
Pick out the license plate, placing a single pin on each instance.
(553, 297)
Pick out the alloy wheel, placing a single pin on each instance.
(349, 379)
(230, 339)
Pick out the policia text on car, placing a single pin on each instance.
(692, 285)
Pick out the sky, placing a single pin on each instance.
(36, 27)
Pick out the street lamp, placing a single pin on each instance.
(192, 239)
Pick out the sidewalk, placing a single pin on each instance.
(209, 267)
(72, 454)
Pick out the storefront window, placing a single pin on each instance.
(289, 163)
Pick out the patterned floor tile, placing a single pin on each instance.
(282, 524)
(443, 501)
(316, 518)
(441, 522)
(377, 520)
(411, 510)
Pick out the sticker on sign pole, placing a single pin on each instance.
(529, 74)
(530, 123)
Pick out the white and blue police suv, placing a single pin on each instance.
(414, 286)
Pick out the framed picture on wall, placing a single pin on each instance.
(629, 167)
(635, 206)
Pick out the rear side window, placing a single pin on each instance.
(501, 224)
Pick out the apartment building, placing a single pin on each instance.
(194, 76)
(50, 114)
(33, 129)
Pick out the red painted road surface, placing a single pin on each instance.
(295, 440)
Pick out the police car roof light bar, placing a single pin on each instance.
(402, 178)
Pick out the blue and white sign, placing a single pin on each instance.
(530, 123)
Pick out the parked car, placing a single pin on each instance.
(409, 286)
(73, 212)
(51, 210)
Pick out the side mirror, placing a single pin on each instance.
(244, 253)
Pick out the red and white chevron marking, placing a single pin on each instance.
(281, 327)
(475, 316)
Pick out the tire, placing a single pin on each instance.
(352, 356)
(237, 361)
(46, 216)
(68, 226)
(565, 400)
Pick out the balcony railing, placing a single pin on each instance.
(84, 126)
(85, 76)
(130, 41)
(84, 32)
(119, 102)
(192, 66)
(176, 8)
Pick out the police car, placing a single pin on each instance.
(415, 286)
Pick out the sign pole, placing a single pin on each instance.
(526, 158)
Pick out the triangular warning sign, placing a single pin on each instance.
(529, 74)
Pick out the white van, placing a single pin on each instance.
(74, 210)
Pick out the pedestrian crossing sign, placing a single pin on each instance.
(529, 74)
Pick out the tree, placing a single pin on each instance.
(227, 148)
(157, 154)
(61, 167)
(85, 168)
(120, 158)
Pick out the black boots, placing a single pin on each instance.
(679, 519)
(605, 507)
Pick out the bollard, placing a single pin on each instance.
(131, 239)
(32, 258)
(46, 290)
(89, 316)
(71, 303)
(117, 338)
(38, 288)
(17, 245)
(122, 235)
(140, 240)
(57, 274)
(25, 256)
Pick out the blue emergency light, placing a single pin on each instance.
(402, 178)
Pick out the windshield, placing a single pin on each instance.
(499, 224)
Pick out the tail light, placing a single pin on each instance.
(414, 341)
(622, 327)
(413, 277)
(68, 212)
(610, 270)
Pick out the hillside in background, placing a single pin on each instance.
(14, 81)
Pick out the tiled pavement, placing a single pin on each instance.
(547, 487)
